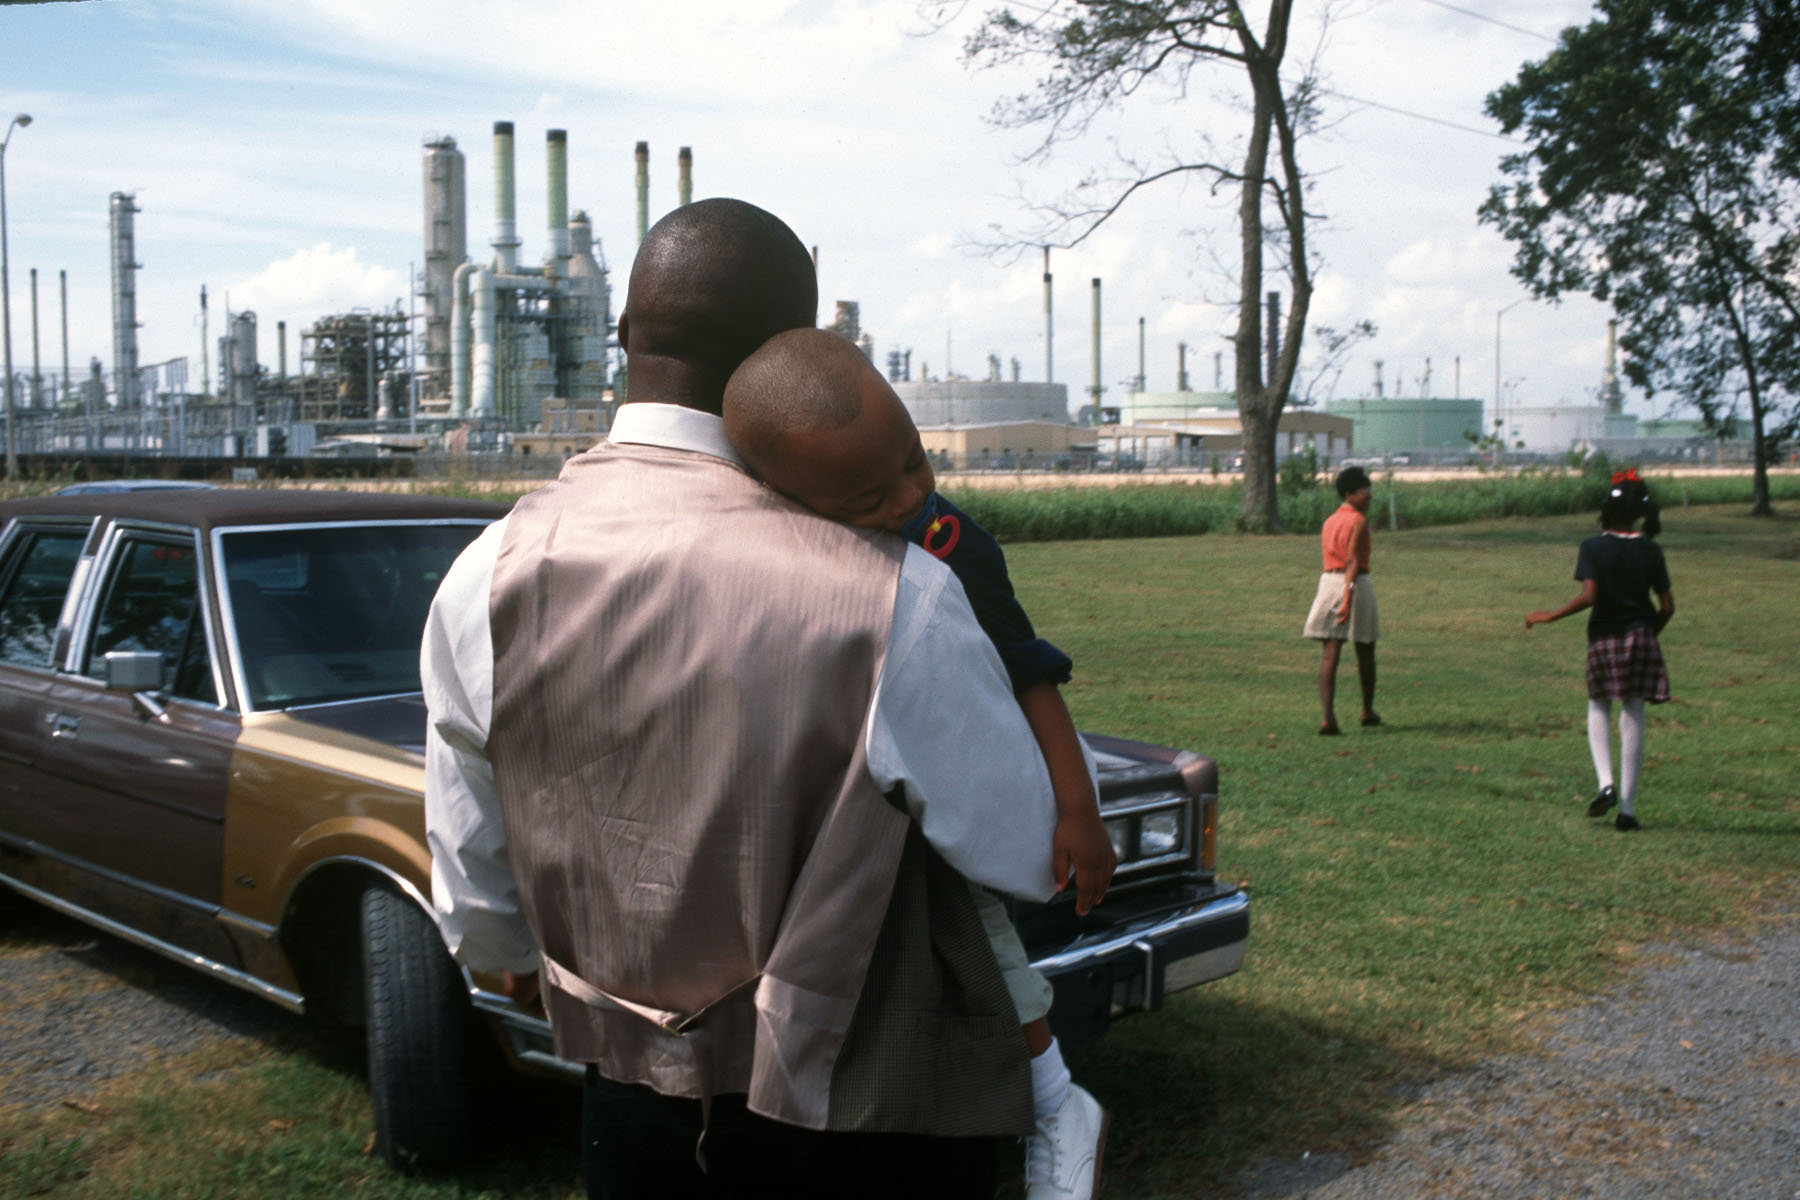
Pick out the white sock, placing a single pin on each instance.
(1050, 1081)
(1600, 740)
(1631, 750)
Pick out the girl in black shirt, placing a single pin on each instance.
(1618, 569)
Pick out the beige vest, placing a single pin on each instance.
(683, 670)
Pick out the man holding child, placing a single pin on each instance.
(721, 771)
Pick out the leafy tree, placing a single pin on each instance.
(1103, 52)
(1662, 176)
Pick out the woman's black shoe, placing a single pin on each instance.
(1625, 823)
(1603, 803)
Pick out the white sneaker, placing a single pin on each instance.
(1062, 1156)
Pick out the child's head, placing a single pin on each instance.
(1352, 480)
(1627, 501)
(813, 417)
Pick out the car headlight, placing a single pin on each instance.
(1159, 834)
(1120, 833)
(1151, 832)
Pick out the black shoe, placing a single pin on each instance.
(1625, 823)
(1372, 720)
(1602, 803)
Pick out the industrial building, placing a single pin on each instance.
(498, 346)
(520, 359)
(1428, 427)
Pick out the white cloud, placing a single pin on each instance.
(323, 278)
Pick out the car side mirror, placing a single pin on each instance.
(133, 670)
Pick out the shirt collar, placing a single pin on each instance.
(672, 427)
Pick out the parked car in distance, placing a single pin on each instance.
(211, 745)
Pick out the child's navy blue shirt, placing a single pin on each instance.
(973, 554)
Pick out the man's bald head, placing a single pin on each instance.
(712, 281)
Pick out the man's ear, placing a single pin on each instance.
(624, 332)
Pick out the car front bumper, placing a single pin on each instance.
(1127, 967)
(1132, 967)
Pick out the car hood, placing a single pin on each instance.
(397, 721)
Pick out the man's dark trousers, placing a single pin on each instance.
(638, 1145)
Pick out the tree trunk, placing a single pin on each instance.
(1261, 512)
(1759, 479)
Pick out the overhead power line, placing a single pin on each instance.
(1469, 12)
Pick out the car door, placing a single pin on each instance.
(36, 566)
(138, 782)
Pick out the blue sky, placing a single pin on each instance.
(275, 151)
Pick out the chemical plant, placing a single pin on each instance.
(493, 356)
(518, 363)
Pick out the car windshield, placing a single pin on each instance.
(334, 612)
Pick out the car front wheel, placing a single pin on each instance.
(420, 1031)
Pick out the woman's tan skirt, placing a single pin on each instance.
(1364, 624)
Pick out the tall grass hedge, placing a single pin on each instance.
(1181, 510)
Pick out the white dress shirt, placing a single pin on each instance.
(943, 725)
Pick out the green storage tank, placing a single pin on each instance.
(1402, 424)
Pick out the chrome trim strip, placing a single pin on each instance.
(237, 920)
(292, 1001)
(1147, 802)
(161, 894)
(1224, 908)
(412, 893)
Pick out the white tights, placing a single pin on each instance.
(1631, 745)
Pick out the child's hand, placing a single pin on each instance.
(1082, 846)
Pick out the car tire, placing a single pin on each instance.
(420, 1031)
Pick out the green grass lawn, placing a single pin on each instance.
(1421, 891)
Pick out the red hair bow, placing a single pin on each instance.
(1629, 475)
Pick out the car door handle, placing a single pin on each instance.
(62, 725)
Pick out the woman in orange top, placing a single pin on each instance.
(1344, 608)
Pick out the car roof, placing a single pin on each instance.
(206, 508)
(130, 485)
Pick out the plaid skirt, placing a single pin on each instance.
(1627, 666)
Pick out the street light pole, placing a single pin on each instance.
(12, 453)
(1500, 417)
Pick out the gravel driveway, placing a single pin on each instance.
(1685, 1083)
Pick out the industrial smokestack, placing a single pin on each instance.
(63, 279)
(1096, 388)
(686, 187)
(124, 278)
(1609, 384)
(506, 226)
(643, 190)
(1181, 379)
(1049, 326)
(37, 373)
(281, 349)
(1140, 374)
(446, 246)
(556, 162)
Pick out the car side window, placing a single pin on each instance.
(152, 602)
(41, 567)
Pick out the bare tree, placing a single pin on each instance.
(1100, 54)
(1333, 348)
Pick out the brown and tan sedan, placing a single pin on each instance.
(212, 744)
